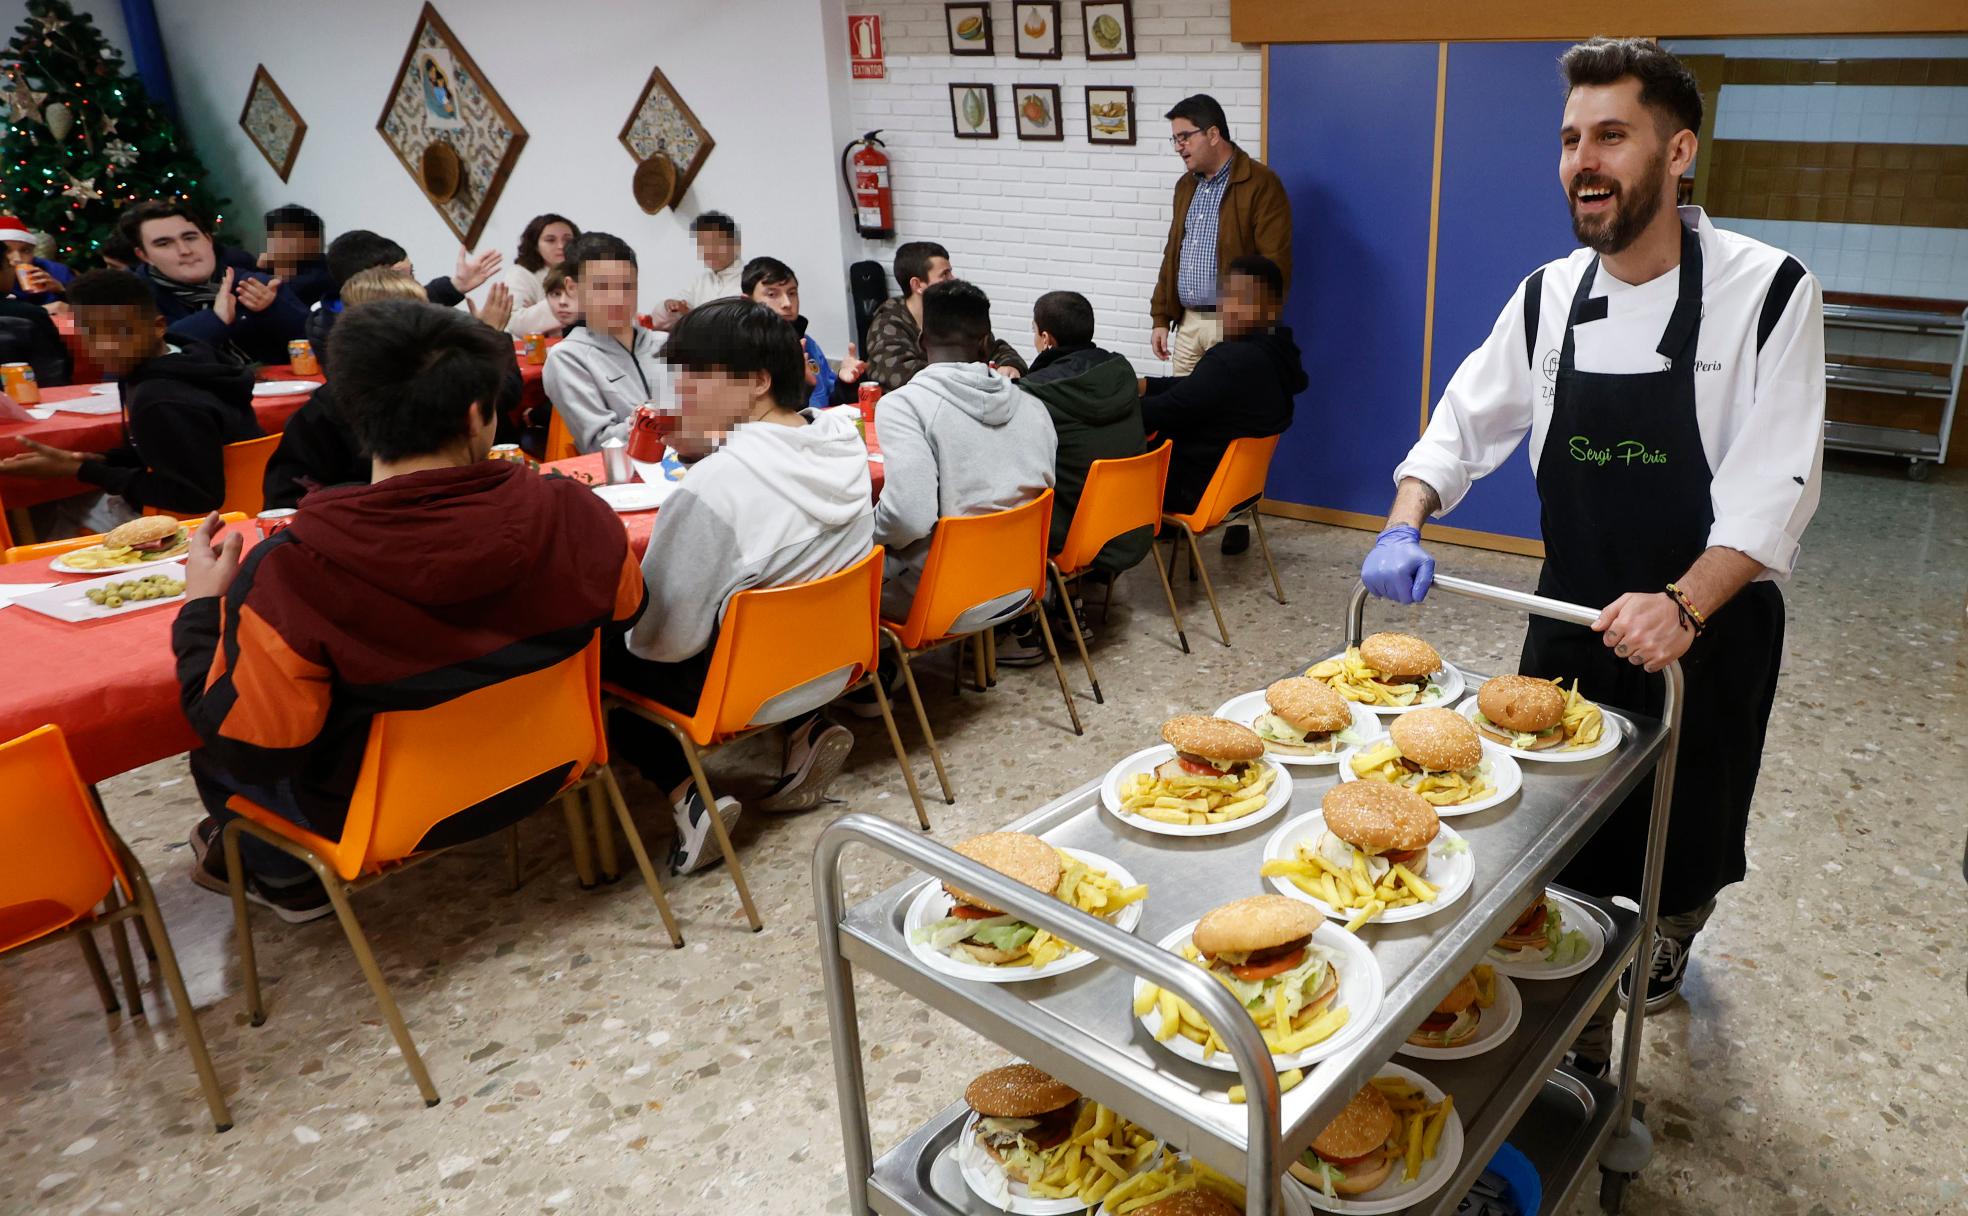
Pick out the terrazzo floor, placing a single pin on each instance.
(1817, 1066)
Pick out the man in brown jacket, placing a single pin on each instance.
(1227, 205)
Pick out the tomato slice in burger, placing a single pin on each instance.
(1200, 770)
(1264, 971)
(968, 912)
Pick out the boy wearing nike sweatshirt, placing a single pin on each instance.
(782, 497)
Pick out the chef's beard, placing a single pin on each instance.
(1633, 210)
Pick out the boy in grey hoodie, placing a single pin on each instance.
(782, 497)
(600, 373)
(958, 439)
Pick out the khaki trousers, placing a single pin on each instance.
(1194, 334)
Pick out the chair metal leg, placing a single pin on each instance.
(1168, 593)
(143, 939)
(606, 859)
(242, 924)
(1059, 672)
(90, 955)
(405, 1046)
(634, 836)
(957, 670)
(1196, 567)
(1079, 639)
(991, 657)
(512, 858)
(125, 965)
(901, 753)
(577, 841)
(167, 965)
(979, 643)
(922, 720)
(709, 796)
(1257, 522)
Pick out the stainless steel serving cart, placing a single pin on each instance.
(1080, 1026)
(1922, 448)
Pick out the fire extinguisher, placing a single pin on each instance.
(868, 186)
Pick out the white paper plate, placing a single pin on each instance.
(1450, 687)
(1397, 1193)
(1245, 709)
(1360, 991)
(1576, 917)
(667, 471)
(1147, 759)
(636, 495)
(1449, 873)
(1498, 1021)
(60, 565)
(283, 388)
(933, 904)
(70, 601)
(982, 1177)
(1609, 738)
(1499, 765)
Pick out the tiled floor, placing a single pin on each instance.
(1817, 1067)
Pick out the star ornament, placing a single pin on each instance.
(21, 101)
(81, 189)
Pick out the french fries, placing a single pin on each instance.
(1382, 762)
(1091, 891)
(1283, 1035)
(1419, 1122)
(1192, 801)
(1171, 1177)
(1583, 722)
(1287, 1081)
(1350, 677)
(1102, 1152)
(1350, 890)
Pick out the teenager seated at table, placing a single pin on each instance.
(293, 252)
(182, 404)
(359, 249)
(771, 282)
(37, 280)
(783, 496)
(117, 253)
(562, 301)
(542, 250)
(28, 335)
(716, 235)
(447, 574)
(241, 313)
(895, 332)
(600, 373)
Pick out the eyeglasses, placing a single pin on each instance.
(1182, 137)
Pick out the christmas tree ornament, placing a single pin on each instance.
(120, 154)
(81, 189)
(60, 119)
(22, 101)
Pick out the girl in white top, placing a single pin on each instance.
(542, 245)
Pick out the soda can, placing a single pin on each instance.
(869, 394)
(18, 380)
(277, 520)
(508, 452)
(615, 462)
(649, 431)
(536, 348)
(300, 358)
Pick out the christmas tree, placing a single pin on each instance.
(83, 139)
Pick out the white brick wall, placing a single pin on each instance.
(1021, 219)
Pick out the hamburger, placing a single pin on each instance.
(1194, 1202)
(1261, 945)
(979, 931)
(1356, 1151)
(1401, 662)
(151, 538)
(1024, 1118)
(1434, 752)
(1385, 824)
(1302, 717)
(1521, 712)
(1536, 929)
(1208, 747)
(1455, 1021)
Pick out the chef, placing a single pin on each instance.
(1670, 376)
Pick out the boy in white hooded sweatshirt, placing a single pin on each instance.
(783, 496)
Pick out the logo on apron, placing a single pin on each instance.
(1622, 451)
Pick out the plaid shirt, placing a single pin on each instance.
(1196, 272)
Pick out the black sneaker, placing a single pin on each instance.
(815, 754)
(862, 703)
(1600, 1069)
(1236, 539)
(1664, 976)
(1021, 646)
(296, 904)
(695, 847)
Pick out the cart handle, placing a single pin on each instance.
(1149, 962)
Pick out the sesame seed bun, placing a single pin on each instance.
(1521, 703)
(1310, 705)
(1017, 1091)
(1440, 740)
(1212, 738)
(1016, 855)
(148, 529)
(1460, 997)
(1361, 1128)
(1258, 922)
(1399, 654)
(1197, 1202)
(1379, 817)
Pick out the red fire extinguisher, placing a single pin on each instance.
(868, 186)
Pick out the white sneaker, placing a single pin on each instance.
(695, 847)
(815, 755)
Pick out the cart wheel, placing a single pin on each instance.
(1919, 470)
(1612, 1191)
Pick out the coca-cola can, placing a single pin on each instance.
(869, 394)
(277, 520)
(649, 430)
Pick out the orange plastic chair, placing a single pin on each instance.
(781, 652)
(1119, 496)
(976, 562)
(1234, 490)
(55, 548)
(560, 443)
(6, 531)
(245, 477)
(414, 775)
(60, 860)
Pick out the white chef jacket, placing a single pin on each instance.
(1761, 415)
(714, 284)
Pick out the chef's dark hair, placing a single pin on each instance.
(1066, 315)
(737, 336)
(1201, 109)
(770, 271)
(912, 261)
(955, 313)
(596, 247)
(1666, 85)
(1263, 269)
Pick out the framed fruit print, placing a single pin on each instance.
(1110, 114)
(969, 28)
(974, 111)
(1036, 106)
(1109, 29)
(1035, 31)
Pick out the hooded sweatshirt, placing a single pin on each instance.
(180, 410)
(395, 596)
(1240, 388)
(775, 505)
(595, 384)
(958, 439)
(1090, 394)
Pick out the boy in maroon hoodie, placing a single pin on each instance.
(446, 574)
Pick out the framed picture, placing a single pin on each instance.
(974, 111)
(272, 123)
(1110, 114)
(660, 124)
(452, 131)
(1035, 31)
(1109, 29)
(1036, 107)
(969, 28)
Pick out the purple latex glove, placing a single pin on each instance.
(1398, 568)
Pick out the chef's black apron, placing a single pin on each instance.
(1623, 483)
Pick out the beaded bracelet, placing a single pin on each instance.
(1691, 616)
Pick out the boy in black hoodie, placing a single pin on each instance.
(182, 404)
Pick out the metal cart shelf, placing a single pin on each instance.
(1921, 448)
(1080, 1026)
